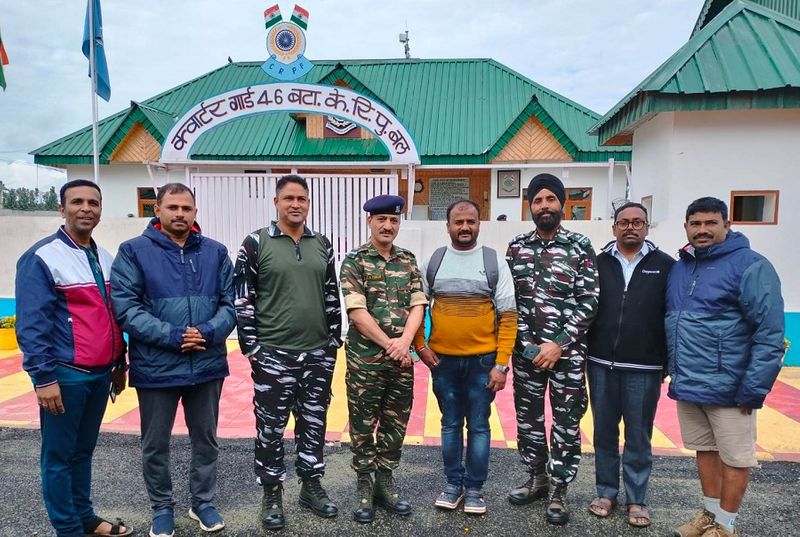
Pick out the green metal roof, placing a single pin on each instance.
(712, 8)
(748, 53)
(457, 110)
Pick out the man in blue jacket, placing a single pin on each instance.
(172, 291)
(725, 327)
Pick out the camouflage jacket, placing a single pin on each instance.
(386, 288)
(556, 287)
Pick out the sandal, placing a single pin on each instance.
(90, 527)
(602, 507)
(638, 516)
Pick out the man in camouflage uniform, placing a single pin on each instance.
(382, 289)
(556, 288)
(289, 320)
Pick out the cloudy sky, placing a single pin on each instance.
(591, 51)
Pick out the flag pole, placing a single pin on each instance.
(93, 73)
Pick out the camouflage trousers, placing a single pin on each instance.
(297, 382)
(379, 397)
(568, 401)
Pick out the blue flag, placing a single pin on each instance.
(101, 67)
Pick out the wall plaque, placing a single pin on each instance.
(443, 192)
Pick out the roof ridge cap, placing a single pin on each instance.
(552, 93)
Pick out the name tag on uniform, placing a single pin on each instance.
(645, 271)
(374, 277)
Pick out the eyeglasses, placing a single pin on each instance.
(633, 224)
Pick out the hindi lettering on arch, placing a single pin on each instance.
(341, 102)
(382, 122)
(305, 97)
(335, 100)
(362, 108)
(241, 101)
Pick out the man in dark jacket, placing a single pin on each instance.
(627, 359)
(725, 326)
(172, 291)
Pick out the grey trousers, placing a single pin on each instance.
(157, 408)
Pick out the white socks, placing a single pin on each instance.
(723, 518)
(726, 520)
(712, 506)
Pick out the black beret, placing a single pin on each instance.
(384, 204)
(551, 183)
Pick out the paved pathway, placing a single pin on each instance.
(778, 422)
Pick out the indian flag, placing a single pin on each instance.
(300, 17)
(272, 16)
(3, 61)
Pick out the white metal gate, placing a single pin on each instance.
(232, 205)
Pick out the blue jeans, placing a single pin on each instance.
(68, 442)
(459, 383)
(631, 396)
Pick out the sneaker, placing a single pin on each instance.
(313, 496)
(163, 525)
(450, 497)
(716, 530)
(210, 520)
(702, 521)
(474, 503)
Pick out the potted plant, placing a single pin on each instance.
(8, 336)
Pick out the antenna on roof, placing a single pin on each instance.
(405, 39)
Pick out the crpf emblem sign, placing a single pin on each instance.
(286, 43)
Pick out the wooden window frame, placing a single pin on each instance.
(142, 203)
(568, 204)
(765, 193)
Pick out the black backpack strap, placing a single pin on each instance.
(433, 267)
(490, 266)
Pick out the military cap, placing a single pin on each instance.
(384, 204)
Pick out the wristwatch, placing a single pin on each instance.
(502, 368)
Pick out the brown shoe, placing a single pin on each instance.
(536, 487)
(718, 531)
(701, 522)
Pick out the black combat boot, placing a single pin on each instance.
(272, 507)
(313, 496)
(557, 512)
(387, 496)
(535, 488)
(365, 512)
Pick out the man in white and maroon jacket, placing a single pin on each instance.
(70, 343)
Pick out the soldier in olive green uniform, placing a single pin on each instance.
(382, 289)
(555, 278)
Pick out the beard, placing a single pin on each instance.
(547, 221)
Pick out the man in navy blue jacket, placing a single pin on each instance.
(172, 291)
(627, 359)
(725, 326)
